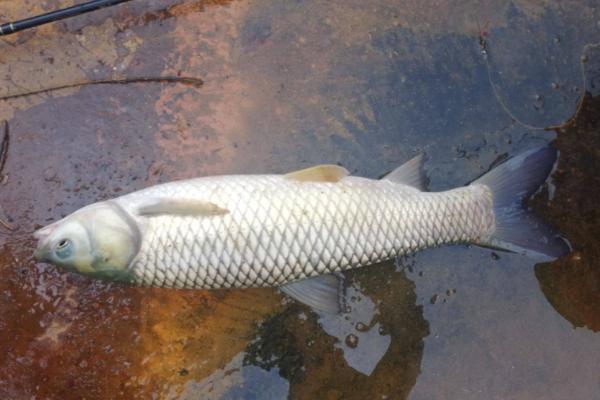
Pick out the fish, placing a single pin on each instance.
(298, 231)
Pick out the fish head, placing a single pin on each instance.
(98, 240)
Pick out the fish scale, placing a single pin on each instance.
(280, 230)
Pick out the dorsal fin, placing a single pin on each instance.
(181, 207)
(319, 173)
(411, 173)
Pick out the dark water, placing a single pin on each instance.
(288, 84)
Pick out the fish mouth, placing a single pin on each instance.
(42, 251)
(40, 255)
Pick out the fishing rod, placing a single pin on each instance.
(12, 27)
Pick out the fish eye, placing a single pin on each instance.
(63, 248)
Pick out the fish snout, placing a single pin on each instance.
(42, 254)
(42, 251)
(39, 255)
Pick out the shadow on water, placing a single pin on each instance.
(572, 284)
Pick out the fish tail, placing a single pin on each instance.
(516, 228)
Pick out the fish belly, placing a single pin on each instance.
(279, 230)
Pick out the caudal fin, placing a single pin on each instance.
(511, 183)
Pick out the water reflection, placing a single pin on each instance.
(359, 335)
(318, 354)
(237, 380)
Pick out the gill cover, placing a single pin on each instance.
(99, 240)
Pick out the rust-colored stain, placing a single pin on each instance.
(204, 128)
(289, 84)
(189, 335)
(69, 337)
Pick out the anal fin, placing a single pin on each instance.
(322, 293)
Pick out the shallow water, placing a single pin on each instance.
(365, 84)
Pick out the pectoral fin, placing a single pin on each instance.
(322, 293)
(183, 207)
(319, 173)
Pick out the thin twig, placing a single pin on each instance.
(4, 148)
(6, 225)
(184, 80)
(3, 157)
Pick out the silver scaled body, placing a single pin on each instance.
(278, 230)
